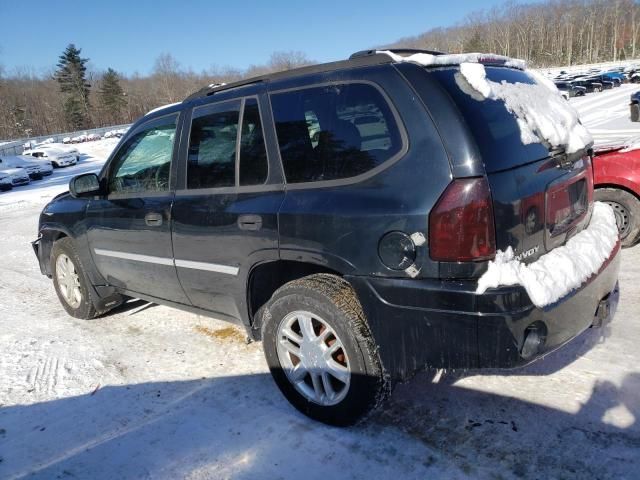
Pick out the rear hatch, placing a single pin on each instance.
(541, 196)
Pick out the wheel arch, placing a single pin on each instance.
(619, 186)
(265, 278)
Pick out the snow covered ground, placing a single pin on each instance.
(152, 392)
(606, 114)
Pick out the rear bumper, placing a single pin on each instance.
(445, 324)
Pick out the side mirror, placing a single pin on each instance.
(82, 185)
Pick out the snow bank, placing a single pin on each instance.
(564, 268)
(541, 112)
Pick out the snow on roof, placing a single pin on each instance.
(162, 108)
(541, 112)
(428, 60)
(563, 269)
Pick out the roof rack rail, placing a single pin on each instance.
(219, 87)
(398, 51)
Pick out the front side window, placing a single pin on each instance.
(212, 147)
(333, 132)
(143, 163)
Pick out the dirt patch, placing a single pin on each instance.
(227, 333)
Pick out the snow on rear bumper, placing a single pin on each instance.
(563, 269)
(420, 323)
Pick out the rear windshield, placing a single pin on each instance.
(494, 128)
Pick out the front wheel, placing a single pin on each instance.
(70, 281)
(626, 208)
(320, 350)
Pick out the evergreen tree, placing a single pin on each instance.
(112, 96)
(71, 77)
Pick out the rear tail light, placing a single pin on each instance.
(461, 225)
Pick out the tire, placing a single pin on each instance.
(626, 206)
(333, 311)
(635, 112)
(63, 252)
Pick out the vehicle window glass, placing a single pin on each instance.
(212, 147)
(493, 126)
(333, 132)
(253, 153)
(143, 163)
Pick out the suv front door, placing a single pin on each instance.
(129, 229)
(225, 216)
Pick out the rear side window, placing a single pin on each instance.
(333, 132)
(494, 128)
(212, 146)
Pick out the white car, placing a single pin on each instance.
(24, 161)
(31, 168)
(58, 158)
(63, 148)
(5, 182)
(18, 176)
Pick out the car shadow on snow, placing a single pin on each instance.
(241, 427)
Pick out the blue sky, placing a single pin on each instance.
(128, 36)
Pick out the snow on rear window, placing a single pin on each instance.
(563, 269)
(542, 114)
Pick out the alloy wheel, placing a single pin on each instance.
(68, 281)
(313, 358)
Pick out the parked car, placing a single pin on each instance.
(5, 182)
(32, 169)
(634, 106)
(58, 158)
(607, 84)
(590, 86)
(63, 148)
(18, 176)
(616, 170)
(571, 89)
(44, 165)
(356, 261)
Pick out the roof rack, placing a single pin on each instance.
(397, 51)
(218, 87)
(361, 60)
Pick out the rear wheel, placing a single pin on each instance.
(70, 281)
(320, 351)
(627, 211)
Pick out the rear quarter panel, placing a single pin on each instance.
(618, 168)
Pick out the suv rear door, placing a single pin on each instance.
(129, 229)
(537, 204)
(225, 212)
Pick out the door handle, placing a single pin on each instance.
(153, 219)
(250, 222)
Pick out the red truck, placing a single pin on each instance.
(616, 171)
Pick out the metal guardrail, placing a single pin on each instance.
(15, 147)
